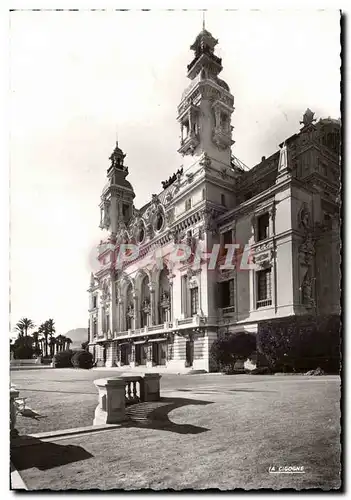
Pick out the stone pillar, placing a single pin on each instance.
(132, 355)
(100, 319)
(111, 407)
(150, 387)
(152, 303)
(113, 309)
(272, 221)
(14, 393)
(171, 313)
(149, 355)
(135, 319)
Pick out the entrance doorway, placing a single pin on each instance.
(159, 353)
(125, 354)
(189, 352)
(140, 354)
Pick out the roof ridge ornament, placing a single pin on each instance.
(308, 118)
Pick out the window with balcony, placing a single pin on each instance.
(263, 227)
(226, 292)
(194, 301)
(264, 287)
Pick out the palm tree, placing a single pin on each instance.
(43, 330)
(23, 325)
(50, 325)
(35, 336)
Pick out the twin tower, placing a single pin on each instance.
(204, 115)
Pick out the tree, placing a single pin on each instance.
(23, 325)
(35, 336)
(43, 330)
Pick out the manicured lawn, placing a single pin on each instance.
(208, 431)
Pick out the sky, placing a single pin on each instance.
(79, 80)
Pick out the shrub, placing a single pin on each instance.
(62, 359)
(234, 347)
(300, 343)
(82, 359)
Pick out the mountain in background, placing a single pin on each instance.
(78, 335)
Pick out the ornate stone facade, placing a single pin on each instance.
(163, 292)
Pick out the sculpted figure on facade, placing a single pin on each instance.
(307, 250)
(307, 291)
(305, 217)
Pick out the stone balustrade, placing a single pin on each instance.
(14, 393)
(117, 392)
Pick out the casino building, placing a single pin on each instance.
(152, 306)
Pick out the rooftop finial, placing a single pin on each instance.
(203, 20)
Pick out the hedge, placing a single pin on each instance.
(62, 359)
(301, 343)
(82, 359)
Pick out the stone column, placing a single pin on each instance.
(113, 312)
(100, 319)
(111, 406)
(152, 302)
(171, 314)
(135, 320)
(132, 355)
(272, 221)
(149, 355)
(190, 118)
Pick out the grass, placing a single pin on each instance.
(209, 431)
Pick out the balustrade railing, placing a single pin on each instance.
(118, 392)
(227, 310)
(263, 303)
(132, 389)
(185, 321)
(152, 328)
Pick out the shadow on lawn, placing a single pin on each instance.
(154, 415)
(28, 452)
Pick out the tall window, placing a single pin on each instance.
(264, 288)
(94, 301)
(227, 240)
(262, 227)
(223, 200)
(94, 327)
(194, 300)
(227, 294)
(107, 322)
(188, 204)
